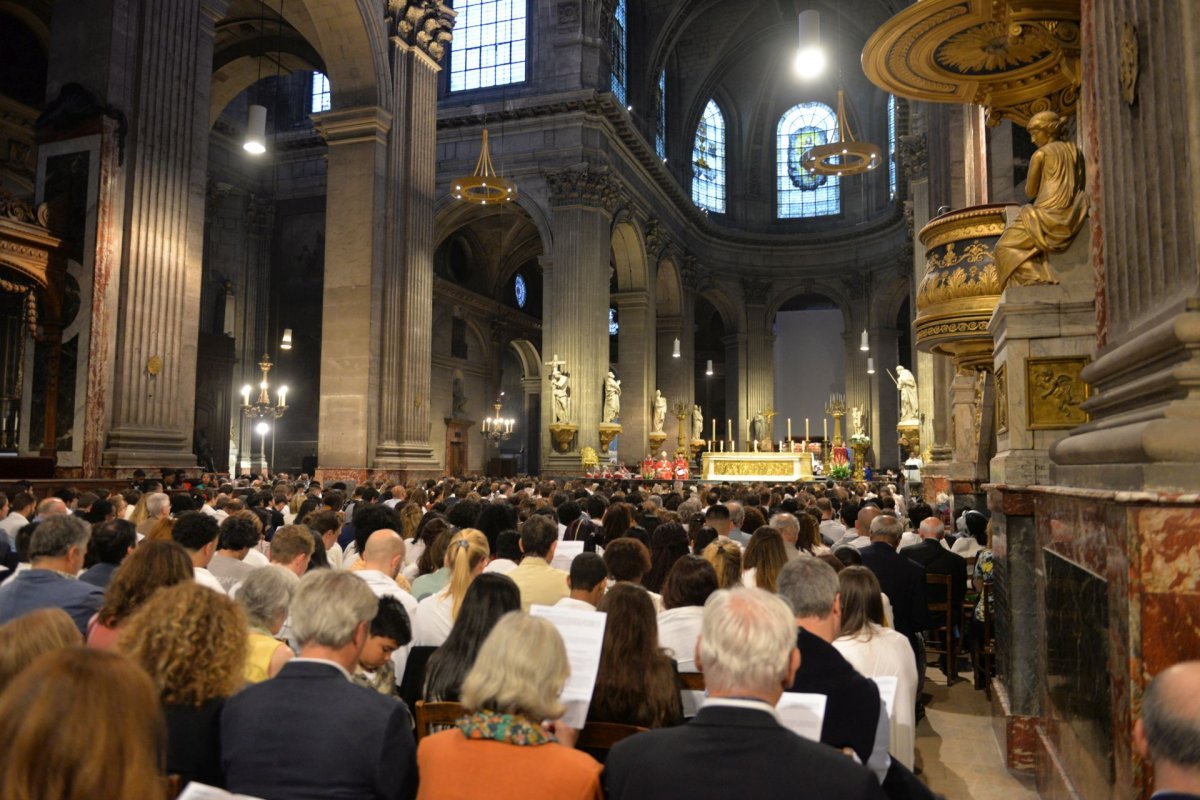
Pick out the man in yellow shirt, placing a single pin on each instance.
(539, 582)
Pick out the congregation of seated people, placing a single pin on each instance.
(280, 639)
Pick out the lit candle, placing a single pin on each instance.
(246, 395)
(789, 429)
(714, 433)
(729, 429)
(722, 445)
(806, 437)
(283, 396)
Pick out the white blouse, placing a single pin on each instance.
(432, 622)
(878, 652)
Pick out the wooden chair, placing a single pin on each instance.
(432, 717)
(940, 640)
(983, 651)
(691, 681)
(603, 735)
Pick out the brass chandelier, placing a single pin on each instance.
(485, 185)
(846, 155)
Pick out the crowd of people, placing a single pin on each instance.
(273, 639)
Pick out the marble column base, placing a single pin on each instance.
(1016, 734)
(147, 448)
(406, 459)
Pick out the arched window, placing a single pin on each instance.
(708, 160)
(801, 193)
(321, 97)
(892, 146)
(660, 106)
(489, 44)
(620, 56)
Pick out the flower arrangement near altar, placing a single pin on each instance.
(860, 440)
(839, 466)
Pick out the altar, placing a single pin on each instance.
(754, 467)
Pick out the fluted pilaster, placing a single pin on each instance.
(153, 399)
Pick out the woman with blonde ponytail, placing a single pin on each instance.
(466, 557)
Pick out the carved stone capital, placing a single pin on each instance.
(425, 24)
(754, 291)
(589, 186)
(657, 239)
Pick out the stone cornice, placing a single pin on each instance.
(603, 107)
(452, 293)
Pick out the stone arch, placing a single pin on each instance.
(528, 357)
(629, 255)
(522, 241)
(732, 314)
(825, 290)
(886, 304)
(668, 288)
(350, 48)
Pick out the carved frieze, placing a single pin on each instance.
(912, 153)
(422, 23)
(589, 186)
(1054, 391)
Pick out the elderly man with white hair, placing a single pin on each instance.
(158, 508)
(789, 528)
(310, 732)
(736, 745)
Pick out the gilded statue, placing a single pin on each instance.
(1059, 208)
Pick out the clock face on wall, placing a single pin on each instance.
(520, 293)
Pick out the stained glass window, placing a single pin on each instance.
(620, 55)
(708, 160)
(520, 292)
(660, 105)
(800, 192)
(892, 146)
(489, 44)
(321, 96)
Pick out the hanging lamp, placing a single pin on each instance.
(485, 185)
(846, 155)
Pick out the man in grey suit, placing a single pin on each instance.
(310, 733)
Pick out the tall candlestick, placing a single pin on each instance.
(826, 421)
(722, 445)
(789, 429)
(806, 436)
(729, 429)
(714, 434)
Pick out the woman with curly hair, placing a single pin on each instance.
(192, 642)
(150, 567)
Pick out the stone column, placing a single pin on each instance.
(153, 398)
(884, 398)
(760, 358)
(636, 357)
(406, 347)
(736, 389)
(575, 305)
(351, 327)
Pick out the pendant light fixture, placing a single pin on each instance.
(485, 185)
(810, 60)
(870, 366)
(256, 131)
(709, 371)
(865, 345)
(675, 352)
(846, 155)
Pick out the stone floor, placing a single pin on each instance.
(957, 749)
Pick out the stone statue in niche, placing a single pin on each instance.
(697, 423)
(459, 398)
(612, 399)
(906, 382)
(1059, 208)
(660, 411)
(758, 429)
(560, 391)
(856, 417)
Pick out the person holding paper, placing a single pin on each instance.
(736, 745)
(501, 749)
(876, 651)
(637, 683)
(855, 717)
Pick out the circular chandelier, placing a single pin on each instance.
(847, 155)
(485, 185)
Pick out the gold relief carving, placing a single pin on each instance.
(588, 459)
(989, 48)
(743, 468)
(1054, 392)
(154, 366)
(1002, 399)
(1013, 57)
